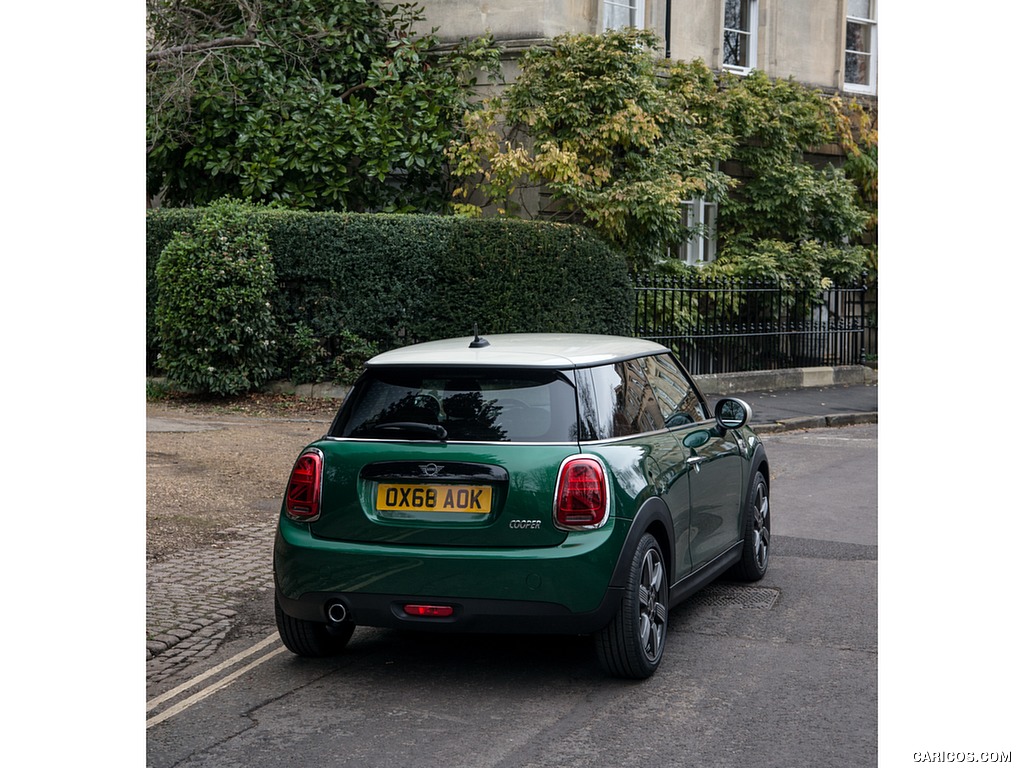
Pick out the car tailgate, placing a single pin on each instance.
(440, 494)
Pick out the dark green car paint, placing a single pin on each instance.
(574, 574)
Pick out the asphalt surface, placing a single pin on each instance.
(195, 598)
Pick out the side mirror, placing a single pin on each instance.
(732, 413)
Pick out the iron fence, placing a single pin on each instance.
(731, 325)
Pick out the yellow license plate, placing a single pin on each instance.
(472, 499)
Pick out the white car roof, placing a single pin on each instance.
(537, 350)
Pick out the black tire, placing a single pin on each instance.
(632, 644)
(757, 529)
(310, 638)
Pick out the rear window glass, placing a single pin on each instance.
(508, 405)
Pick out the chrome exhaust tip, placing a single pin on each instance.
(336, 612)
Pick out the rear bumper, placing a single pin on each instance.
(559, 590)
(469, 614)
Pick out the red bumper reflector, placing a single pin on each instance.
(429, 611)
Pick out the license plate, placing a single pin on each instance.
(471, 499)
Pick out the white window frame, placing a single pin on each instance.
(872, 54)
(635, 9)
(751, 35)
(702, 216)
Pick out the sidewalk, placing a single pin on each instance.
(810, 408)
(193, 599)
(800, 398)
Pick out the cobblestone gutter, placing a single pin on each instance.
(191, 599)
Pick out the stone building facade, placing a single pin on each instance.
(827, 44)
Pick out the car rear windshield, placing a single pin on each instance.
(507, 405)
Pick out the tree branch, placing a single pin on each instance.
(247, 40)
(352, 90)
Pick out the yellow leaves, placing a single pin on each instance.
(557, 164)
(631, 126)
(509, 163)
(600, 175)
(467, 209)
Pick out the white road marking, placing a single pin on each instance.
(222, 683)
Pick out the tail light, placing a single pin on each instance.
(581, 500)
(302, 499)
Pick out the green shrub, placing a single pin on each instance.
(515, 276)
(348, 285)
(807, 263)
(353, 351)
(307, 353)
(369, 274)
(212, 311)
(309, 359)
(397, 279)
(161, 224)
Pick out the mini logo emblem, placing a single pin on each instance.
(430, 470)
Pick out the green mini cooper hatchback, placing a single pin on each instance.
(525, 483)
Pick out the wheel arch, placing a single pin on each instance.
(759, 463)
(652, 517)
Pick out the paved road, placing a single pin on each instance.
(780, 673)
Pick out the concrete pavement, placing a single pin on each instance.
(194, 598)
(800, 398)
(810, 408)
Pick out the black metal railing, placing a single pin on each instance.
(738, 324)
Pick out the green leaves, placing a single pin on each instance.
(340, 106)
(213, 312)
(621, 141)
(786, 205)
(592, 121)
(345, 284)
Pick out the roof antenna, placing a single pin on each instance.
(477, 342)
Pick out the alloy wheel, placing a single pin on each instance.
(652, 598)
(762, 525)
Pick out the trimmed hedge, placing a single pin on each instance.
(397, 279)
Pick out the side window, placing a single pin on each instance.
(676, 397)
(624, 403)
